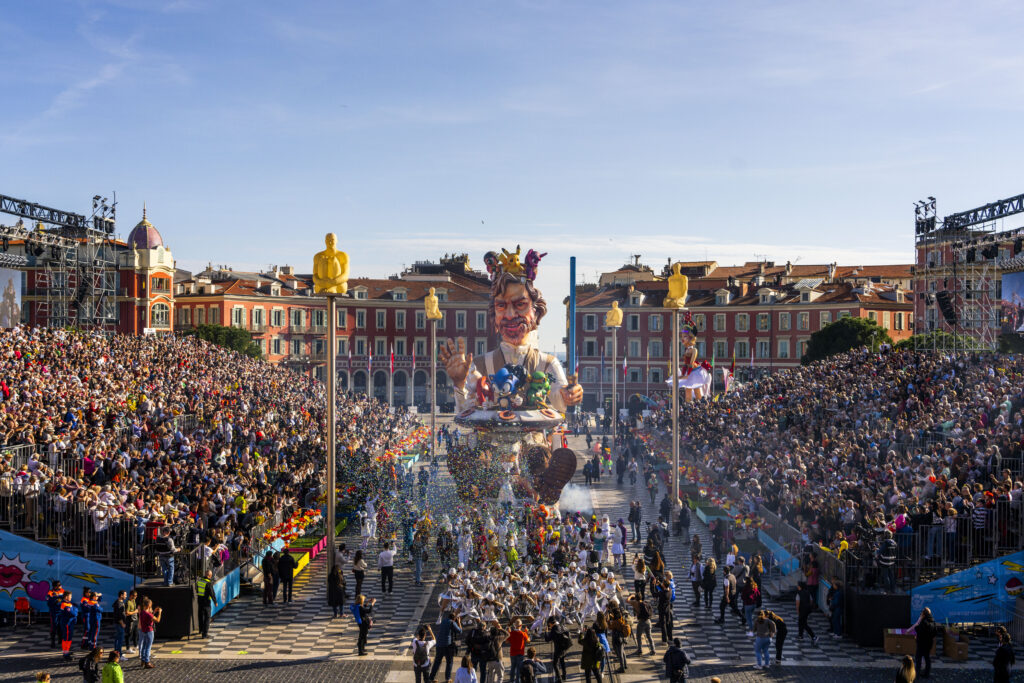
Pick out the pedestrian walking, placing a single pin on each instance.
(112, 670)
(149, 617)
(336, 591)
(53, 599)
(662, 592)
(386, 564)
(643, 624)
(749, 595)
(676, 662)
(696, 579)
(419, 553)
(207, 601)
(359, 571)
(89, 665)
(708, 581)
(286, 566)
(780, 633)
(422, 644)
(804, 607)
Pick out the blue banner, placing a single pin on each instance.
(982, 594)
(227, 589)
(27, 569)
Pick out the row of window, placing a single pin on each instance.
(655, 348)
(362, 346)
(762, 321)
(301, 318)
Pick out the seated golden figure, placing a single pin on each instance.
(330, 268)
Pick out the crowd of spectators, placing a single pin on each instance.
(134, 433)
(923, 447)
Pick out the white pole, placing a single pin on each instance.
(332, 388)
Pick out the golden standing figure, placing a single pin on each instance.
(613, 318)
(431, 307)
(678, 284)
(330, 268)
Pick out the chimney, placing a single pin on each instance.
(288, 270)
(761, 267)
(832, 271)
(789, 268)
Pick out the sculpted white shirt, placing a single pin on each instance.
(515, 355)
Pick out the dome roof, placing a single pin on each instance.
(144, 235)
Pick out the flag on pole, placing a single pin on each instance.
(624, 364)
(350, 358)
(414, 357)
(751, 355)
(602, 364)
(369, 363)
(392, 359)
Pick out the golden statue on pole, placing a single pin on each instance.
(613, 318)
(330, 268)
(430, 305)
(678, 284)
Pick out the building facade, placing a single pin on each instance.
(760, 316)
(134, 279)
(383, 334)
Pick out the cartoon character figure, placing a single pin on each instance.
(510, 261)
(491, 262)
(531, 263)
(484, 392)
(505, 383)
(537, 391)
(694, 377)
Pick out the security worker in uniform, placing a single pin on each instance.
(53, 600)
(207, 598)
(67, 615)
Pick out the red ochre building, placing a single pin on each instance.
(762, 313)
(289, 323)
(143, 301)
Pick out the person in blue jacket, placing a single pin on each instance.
(92, 623)
(53, 599)
(67, 615)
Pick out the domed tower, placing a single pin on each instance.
(147, 279)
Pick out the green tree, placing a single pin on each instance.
(233, 338)
(843, 335)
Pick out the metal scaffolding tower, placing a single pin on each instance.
(74, 260)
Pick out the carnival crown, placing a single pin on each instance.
(508, 262)
(688, 324)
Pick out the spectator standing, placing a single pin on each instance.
(764, 631)
(165, 550)
(448, 632)
(359, 571)
(906, 672)
(421, 646)
(270, 578)
(364, 618)
(925, 630)
(286, 570)
(591, 655)
(517, 640)
(1004, 657)
(149, 617)
(336, 591)
(465, 672)
(561, 642)
(495, 656)
(419, 551)
(131, 610)
(120, 621)
(386, 564)
(780, 633)
(531, 667)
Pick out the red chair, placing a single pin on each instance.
(22, 610)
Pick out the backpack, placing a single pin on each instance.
(419, 656)
(593, 557)
(562, 639)
(354, 608)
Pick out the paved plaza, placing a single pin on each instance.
(301, 641)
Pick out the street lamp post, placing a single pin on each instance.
(330, 278)
(433, 390)
(675, 404)
(613, 319)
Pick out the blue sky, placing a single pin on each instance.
(601, 129)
